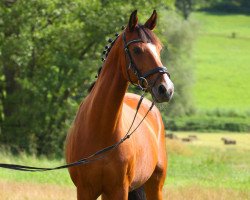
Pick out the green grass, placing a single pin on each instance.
(222, 62)
(58, 177)
(207, 162)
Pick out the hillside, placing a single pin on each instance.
(222, 61)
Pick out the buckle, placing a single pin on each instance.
(143, 83)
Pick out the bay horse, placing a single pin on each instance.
(138, 166)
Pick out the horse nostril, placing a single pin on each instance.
(170, 92)
(161, 89)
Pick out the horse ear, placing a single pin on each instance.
(133, 20)
(151, 23)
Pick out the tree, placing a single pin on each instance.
(49, 53)
(185, 7)
(179, 37)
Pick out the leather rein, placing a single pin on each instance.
(142, 85)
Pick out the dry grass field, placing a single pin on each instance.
(200, 193)
(31, 191)
(207, 169)
(10, 190)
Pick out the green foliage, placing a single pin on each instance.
(180, 35)
(185, 7)
(42, 54)
(49, 53)
(208, 123)
(227, 6)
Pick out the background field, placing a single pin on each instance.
(220, 91)
(202, 169)
(222, 62)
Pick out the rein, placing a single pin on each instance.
(91, 158)
(142, 84)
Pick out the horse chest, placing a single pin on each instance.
(134, 160)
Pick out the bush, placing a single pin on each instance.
(178, 37)
(227, 6)
(207, 123)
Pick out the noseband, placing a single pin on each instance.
(142, 78)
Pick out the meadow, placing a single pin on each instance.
(222, 62)
(202, 169)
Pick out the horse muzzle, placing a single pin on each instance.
(163, 92)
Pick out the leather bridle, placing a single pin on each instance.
(142, 78)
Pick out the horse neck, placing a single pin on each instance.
(104, 104)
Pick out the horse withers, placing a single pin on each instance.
(136, 169)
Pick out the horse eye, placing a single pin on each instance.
(137, 50)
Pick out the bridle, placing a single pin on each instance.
(142, 78)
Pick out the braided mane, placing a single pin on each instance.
(146, 35)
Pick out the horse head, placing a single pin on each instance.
(142, 64)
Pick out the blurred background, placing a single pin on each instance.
(50, 52)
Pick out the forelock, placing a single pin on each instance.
(148, 36)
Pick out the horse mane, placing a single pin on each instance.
(91, 86)
(146, 36)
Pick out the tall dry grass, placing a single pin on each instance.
(201, 193)
(30, 191)
(177, 147)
